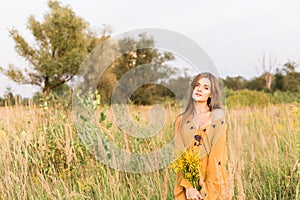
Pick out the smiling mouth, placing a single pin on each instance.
(198, 95)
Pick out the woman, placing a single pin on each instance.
(202, 126)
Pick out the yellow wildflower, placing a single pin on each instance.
(188, 164)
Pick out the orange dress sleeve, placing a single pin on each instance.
(215, 174)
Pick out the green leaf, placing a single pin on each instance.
(102, 117)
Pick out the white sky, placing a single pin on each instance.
(234, 33)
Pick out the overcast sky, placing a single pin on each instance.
(234, 33)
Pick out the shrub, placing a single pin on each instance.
(285, 97)
(247, 98)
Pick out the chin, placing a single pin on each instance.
(200, 100)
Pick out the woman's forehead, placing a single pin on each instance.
(204, 81)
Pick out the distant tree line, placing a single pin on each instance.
(10, 99)
(286, 79)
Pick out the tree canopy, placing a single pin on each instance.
(61, 43)
(152, 63)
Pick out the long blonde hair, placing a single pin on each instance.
(213, 102)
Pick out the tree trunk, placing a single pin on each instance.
(46, 88)
(269, 79)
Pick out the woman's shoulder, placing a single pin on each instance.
(180, 117)
(182, 120)
(178, 120)
(218, 114)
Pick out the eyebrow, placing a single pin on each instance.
(204, 84)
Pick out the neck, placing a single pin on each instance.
(201, 107)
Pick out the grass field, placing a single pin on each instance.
(42, 157)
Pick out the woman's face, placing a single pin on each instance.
(202, 90)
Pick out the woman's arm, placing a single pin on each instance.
(216, 173)
(183, 186)
(180, 148)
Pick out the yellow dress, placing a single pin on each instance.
(211, 143)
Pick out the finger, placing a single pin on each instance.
(199, 196)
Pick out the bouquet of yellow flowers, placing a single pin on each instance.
(188, 164)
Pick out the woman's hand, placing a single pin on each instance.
(192, 194)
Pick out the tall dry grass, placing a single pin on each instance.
(42, 157)
(264, 152)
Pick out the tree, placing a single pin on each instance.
(62, 41)
(289, 67)
(134, 54)
(9, 97)
(268, 64)
(257, 83)
(137, 55)
(291, 79)
(235, 83)
(278, 81)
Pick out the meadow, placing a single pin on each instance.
(42, 157)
